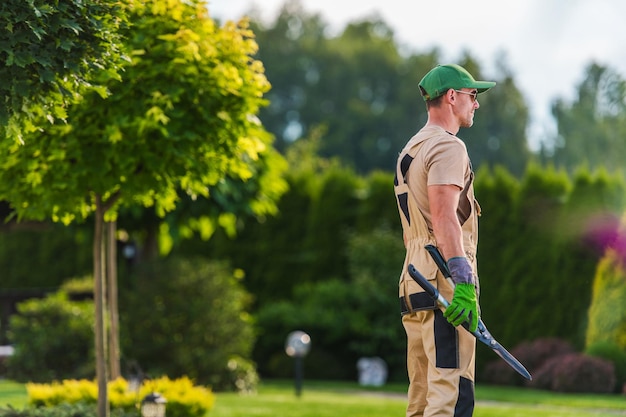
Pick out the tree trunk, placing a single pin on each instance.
(114, 344)
(98, 293)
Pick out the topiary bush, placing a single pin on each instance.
(575, 372)
(184, 399)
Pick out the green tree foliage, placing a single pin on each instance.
(50, 53)
(362, 86)
(188, 317)
(592, 128)
(53, 340)
(181, 119)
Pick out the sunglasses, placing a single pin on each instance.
(474, 94)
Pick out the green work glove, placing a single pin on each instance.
(464, 307)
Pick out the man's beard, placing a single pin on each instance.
(468, 122)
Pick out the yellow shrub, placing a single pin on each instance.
(183, 398)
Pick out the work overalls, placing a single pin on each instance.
(440, 358)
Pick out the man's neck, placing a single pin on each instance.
(445, 121)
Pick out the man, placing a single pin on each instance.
(435, 195)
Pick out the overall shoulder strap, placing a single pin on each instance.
(411, 215)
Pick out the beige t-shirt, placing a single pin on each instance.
(441, 159)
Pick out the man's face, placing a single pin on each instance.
(467, 105)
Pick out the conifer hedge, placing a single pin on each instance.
(537, 255)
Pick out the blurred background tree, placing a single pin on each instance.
(362, 86)
(592, 128)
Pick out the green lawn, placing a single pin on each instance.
(12, 393)
(324, 399)
(333, 399)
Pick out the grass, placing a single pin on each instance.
(12, 393)
(332, 399)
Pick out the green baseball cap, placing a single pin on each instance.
(444, 77)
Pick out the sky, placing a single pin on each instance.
(547, 44)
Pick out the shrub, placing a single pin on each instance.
(575, 372)
(183, 398)
(80, 288)
(531, 354)
(187, 317)
(53, 339)
(614, 354)
(240, 374)
(499, 373)
(534, 354)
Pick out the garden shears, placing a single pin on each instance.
(481, 332)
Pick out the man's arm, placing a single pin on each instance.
(443, 200)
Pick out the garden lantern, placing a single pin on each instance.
(297, 346)
(153, 405)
